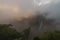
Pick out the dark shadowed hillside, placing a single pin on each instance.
(34, 22)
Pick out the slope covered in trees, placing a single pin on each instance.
(36, 25)
(8, 33)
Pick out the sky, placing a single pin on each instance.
(14, 9)
(10, 9)
(51, 7)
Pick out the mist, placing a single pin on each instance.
(15, 9)
(11, 10)
(30, 19)
(52, 9)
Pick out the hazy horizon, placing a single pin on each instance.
(15, 9)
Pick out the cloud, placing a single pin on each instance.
(11, 9)
(17, 8)
(53, 8)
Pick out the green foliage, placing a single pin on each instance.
(51, 35)
(36, 38)
(7, 33)
(26, 34)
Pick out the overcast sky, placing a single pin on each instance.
(15, 8)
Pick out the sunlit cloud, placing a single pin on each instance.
(42, 2)
(16, 9)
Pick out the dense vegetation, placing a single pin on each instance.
(51, 35)
(8, 33)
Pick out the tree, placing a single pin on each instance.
(7, 33)
(26, 34)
